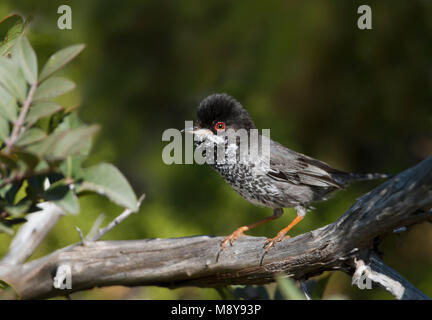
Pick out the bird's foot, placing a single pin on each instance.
(271, 242)
(233, 236)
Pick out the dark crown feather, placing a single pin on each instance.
(222, 107)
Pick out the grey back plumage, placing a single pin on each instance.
(287, 179)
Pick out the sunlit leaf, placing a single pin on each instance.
(53, 88)
(31, 136)
(72, 166)
(19, 209)
(70, 121)
(63, 196)
(107, 180)
(59, 59)
(12, 79)
(6, 229)
(8, 106)
(62, 144)
(75, 141)
(21, 186)
(4, 129)
(25, 56)
(42, 109)
(12, 27)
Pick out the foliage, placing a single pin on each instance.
(43, 145)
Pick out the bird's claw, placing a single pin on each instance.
(271, 242)
(231, 238)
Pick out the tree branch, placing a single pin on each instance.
(101, 232)
(24, 175)
(387, 278)
(32, 233)
(401, 201)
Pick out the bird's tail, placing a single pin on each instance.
(345, 178)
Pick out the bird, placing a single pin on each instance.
(288, 179)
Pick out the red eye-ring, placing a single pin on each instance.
(219, 126)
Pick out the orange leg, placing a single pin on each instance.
(281, 234)
(239, 231)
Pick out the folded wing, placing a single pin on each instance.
(292, 167)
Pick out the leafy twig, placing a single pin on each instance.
(20, 121)
(24, 175)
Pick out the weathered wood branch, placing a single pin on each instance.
(32, 233)
(401, 201)
(370, 266)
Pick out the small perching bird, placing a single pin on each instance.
(288, 180)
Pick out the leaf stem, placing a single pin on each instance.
(20, 121)
(21, 176)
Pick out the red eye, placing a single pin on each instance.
(219, 126)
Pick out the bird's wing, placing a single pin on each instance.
(292, 167)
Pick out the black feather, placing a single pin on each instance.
(222, 107)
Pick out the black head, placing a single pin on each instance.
(221, 108)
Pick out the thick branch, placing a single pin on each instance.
(375, 270)
(31, 234)
(402, 201)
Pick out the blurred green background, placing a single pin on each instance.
(359, 100)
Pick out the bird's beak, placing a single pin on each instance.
(188, 130)
(196, 130)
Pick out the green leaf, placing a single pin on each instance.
(8, 160)
(75, 141)
(60, 194)
(26, 159)
(6, 229)
(288, 289)
(12, 79)
(42, 165)
(8, 106)
(71, 167)
(25, 56)
(53, 88)
(62, 144)
(12, 26)
(11, 222)
(59, 59)
(20, 194)
(70, 121)
(4, 129)
(107, 180)
(35, 185)
(19, 209)
(42, 109)
(31, 136)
